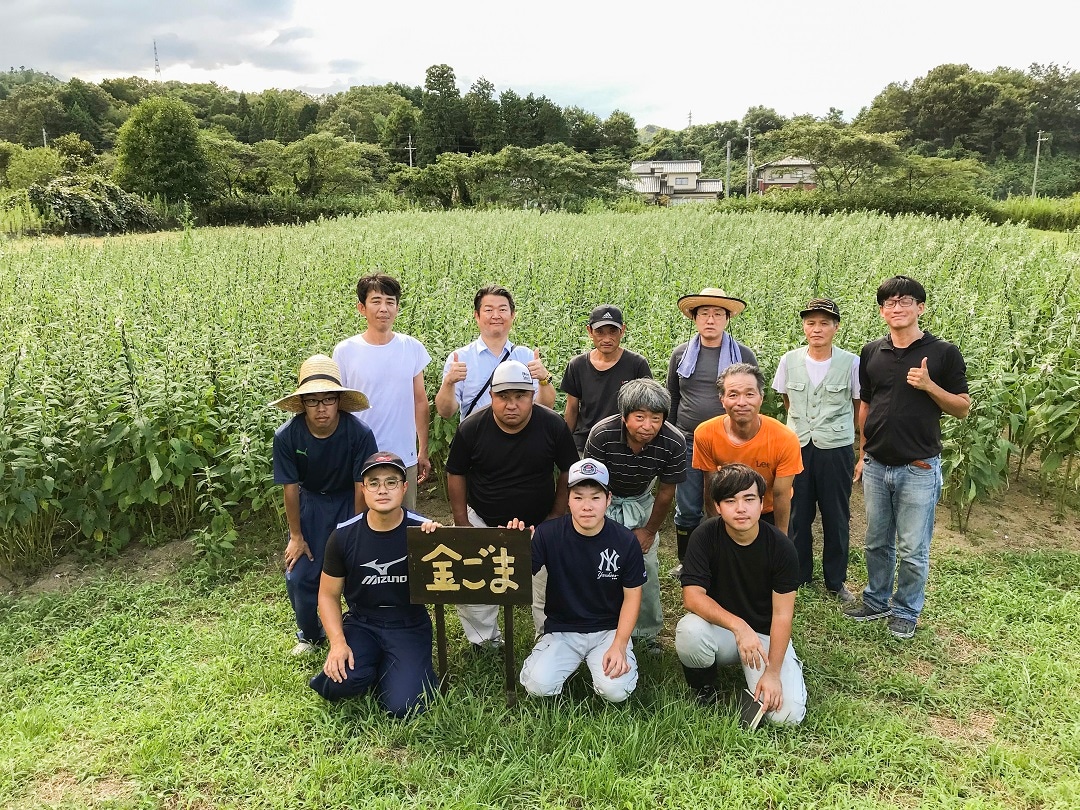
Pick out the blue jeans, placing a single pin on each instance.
(690, 494)
(900, 506)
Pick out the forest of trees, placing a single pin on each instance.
(92, 149)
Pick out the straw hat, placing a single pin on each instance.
(320, 375)
(711, 297)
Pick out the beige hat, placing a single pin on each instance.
(711, 297)
(320, 375)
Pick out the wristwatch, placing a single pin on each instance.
(546, 380)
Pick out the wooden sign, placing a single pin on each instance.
(462, 565)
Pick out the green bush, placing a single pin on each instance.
(264, 209)
(947, 205)
(89, 204)
(1045, 213)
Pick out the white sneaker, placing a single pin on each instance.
(676, 572)
(304, 648)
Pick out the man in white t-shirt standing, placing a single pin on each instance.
(389, 367)
(820, 386)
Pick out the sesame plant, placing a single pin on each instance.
(137, 370)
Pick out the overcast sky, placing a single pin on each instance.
(711, 59)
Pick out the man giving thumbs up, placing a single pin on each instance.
(907, 380)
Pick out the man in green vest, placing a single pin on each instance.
(820, 386)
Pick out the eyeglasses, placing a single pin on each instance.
(375, 484)
(315, 402)
(903, 302)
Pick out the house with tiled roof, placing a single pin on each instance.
(789, 172)
(673, 182)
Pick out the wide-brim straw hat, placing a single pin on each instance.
(711, 297)
(320, 375)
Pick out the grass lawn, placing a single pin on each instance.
(178, 691)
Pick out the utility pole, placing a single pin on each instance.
(689, 119)
(1038, 144)
(409, 149)
(727, 177)
(749, 163)
(157, 65)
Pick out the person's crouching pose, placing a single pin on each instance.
(739, 580)
(595, 573)
(384, 642)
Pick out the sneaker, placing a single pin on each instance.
(304, 648)
(861, 613)
(843, 596)
(901, 628)
(491, 645)
(676, 572)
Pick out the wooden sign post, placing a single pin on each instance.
(461, 565)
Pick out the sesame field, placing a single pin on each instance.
(135, 374)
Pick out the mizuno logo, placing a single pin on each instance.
(381, 568)
(371, 579)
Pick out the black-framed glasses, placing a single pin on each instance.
(904, 302)
(315, 402)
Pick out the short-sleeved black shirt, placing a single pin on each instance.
(598, 391)
(375, 566)
(511, 475)
(742, 579)
(904, 423)
(586, 575)
(332, 464)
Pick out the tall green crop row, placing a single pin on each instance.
(136, 371)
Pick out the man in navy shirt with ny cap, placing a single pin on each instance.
(383, 644)
(595, 573)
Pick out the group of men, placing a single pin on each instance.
(595, 484)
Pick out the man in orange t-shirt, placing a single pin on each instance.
(742, 435)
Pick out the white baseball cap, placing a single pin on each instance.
(511, 376)
(588, 470)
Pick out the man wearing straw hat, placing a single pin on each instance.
(693, 370)
(318, 458)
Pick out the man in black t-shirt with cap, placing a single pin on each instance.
(501, 466)
(593, 378)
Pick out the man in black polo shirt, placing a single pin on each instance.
(907, 379)
(638, 445)
(501, 467)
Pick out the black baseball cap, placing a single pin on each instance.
(606, 315)
(383, 459)
(826, 305)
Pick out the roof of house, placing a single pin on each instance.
(791, 160)
(647, 184)
(665, 166)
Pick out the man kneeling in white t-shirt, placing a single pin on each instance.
(595, 573)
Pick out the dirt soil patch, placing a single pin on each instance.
(1016, 520)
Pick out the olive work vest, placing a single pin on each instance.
(822, 414)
